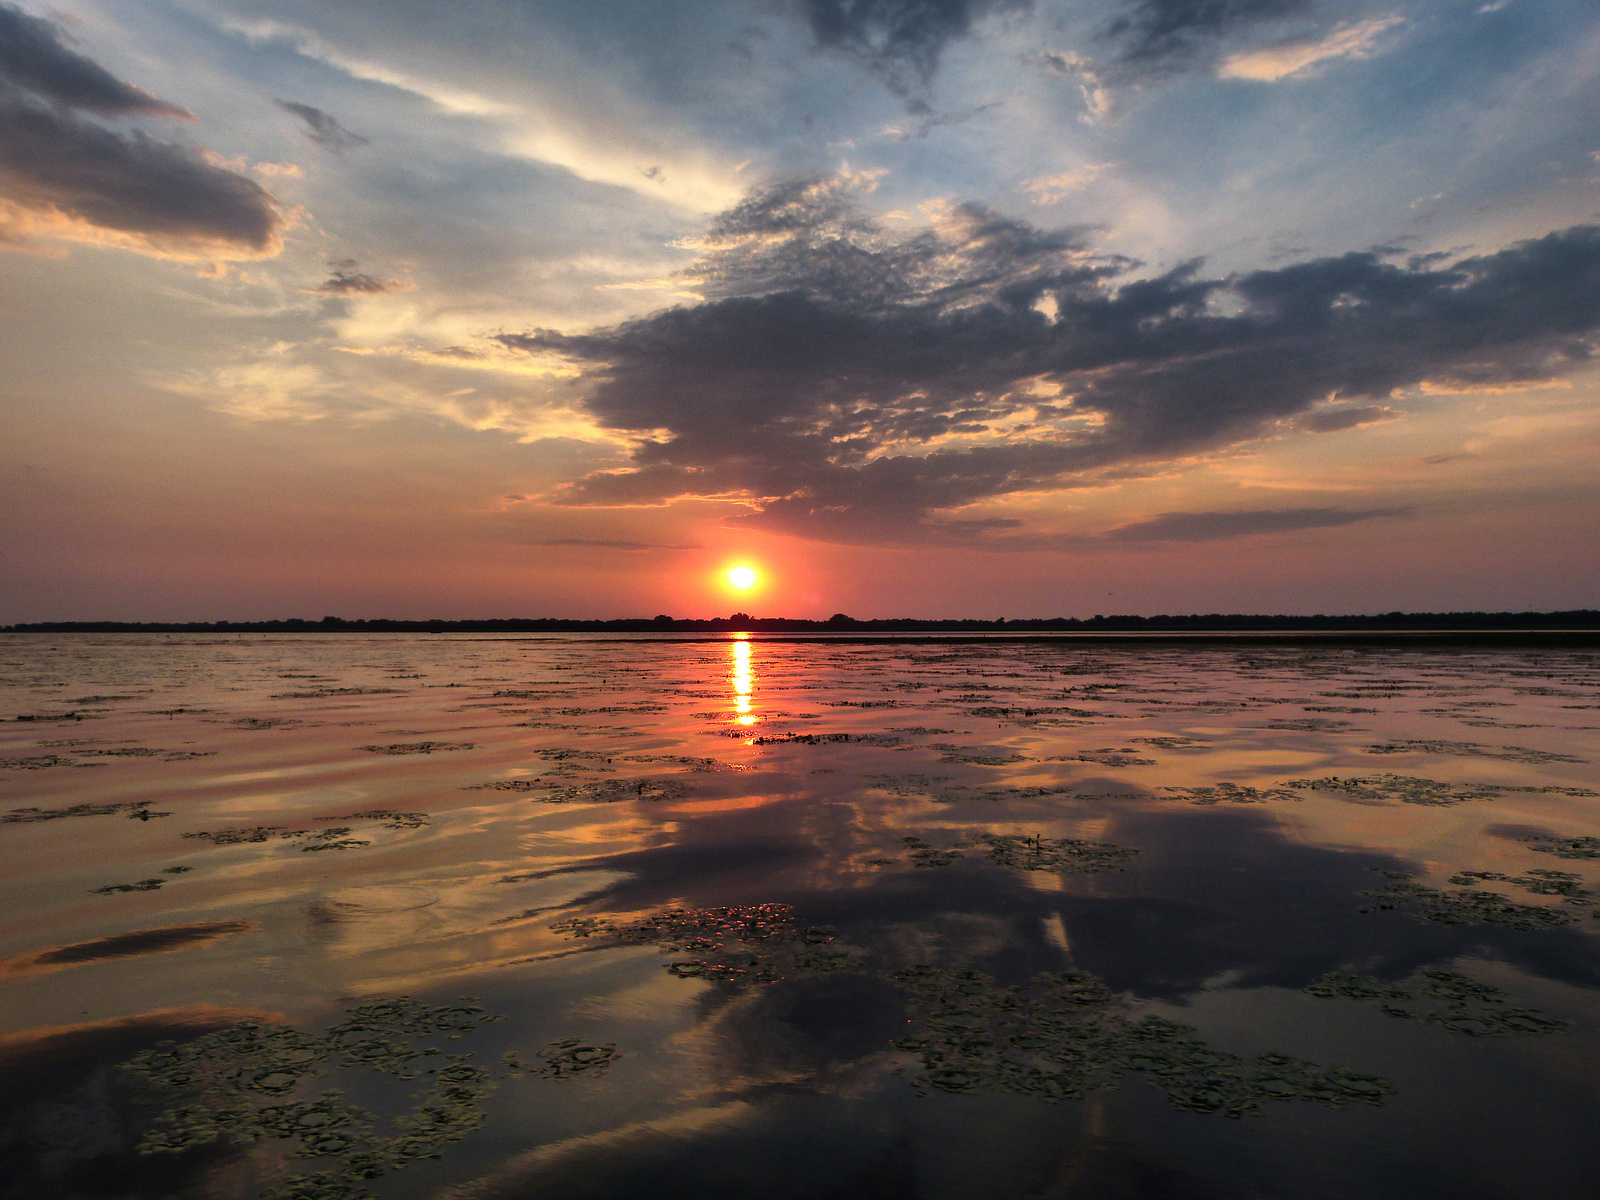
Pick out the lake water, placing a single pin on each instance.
(452, 916)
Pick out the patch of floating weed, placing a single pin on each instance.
(921, 731)
(391, 820)
(1036, 853)
(1171, 742)
(1519, 754)
(266, 722)
(1062, 1036)
(922, 854)
(1310, 725)
(137, 810)
(694, 763)
(1564, 847)
(738, 945)
(1232, 793)
(418, 747)
(45, 718)
(1540, 882)
(1468, 906)
(239, 1085)
(609, 791)
(1407, 789)
(143, 885)
(34, 762)
(887, 740)
(978, 756)
(1109, 756)
(1472, 1008)
(330, 692)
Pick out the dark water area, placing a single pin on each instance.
(324, 916)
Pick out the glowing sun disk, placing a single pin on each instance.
(742, 577)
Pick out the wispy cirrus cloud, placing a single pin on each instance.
(1269, 64)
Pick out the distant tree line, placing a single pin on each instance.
(1574, 619)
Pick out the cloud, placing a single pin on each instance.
(1332, 420)
(124, 945)
(852, 383)
(1219, 526)
(1163, 37)
(63, 175)
(1052, 189)
(610, 544)
(900, 41)
(345, 280)
(1272, 63)
(34, 59)
(322, 128)
(1097, 101)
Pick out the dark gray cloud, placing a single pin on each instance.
(35, 59)
(344, 280)
(322, 128)
(1332, 420)
(851, 383)
(898, 40)
(1161, 37)
(1218, 526)
(54, 163)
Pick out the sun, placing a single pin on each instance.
(742, 578)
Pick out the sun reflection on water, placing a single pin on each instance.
(743, 681)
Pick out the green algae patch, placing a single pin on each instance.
(1064, 1035)
(1448, 999)
(248, 1084)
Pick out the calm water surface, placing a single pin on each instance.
(313, 917)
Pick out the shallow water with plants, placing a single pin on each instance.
(456, 917)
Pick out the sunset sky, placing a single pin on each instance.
(918, 307)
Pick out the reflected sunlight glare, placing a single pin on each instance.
(743, 679)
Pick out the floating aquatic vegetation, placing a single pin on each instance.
(239, 1085)
(1468, 906)
(921, 731)
(861, 703)
(1037, 853)
(740, 944)
(1063, 1035)
(47, 717)
(816, 739)
(143, 885)
(1310, 725)
(418, 747)
(565, 1058)
(1232, 793)
(980, 756)
(1171, 742)
(1109, 756)
(391, 820)
(1520, 754)
(1472, 1007)
(266, 722)
(137, 810)
(609, 791)
(924, 855)
(1564, 847)
(330, 692)
(1540, 882)
(1407, 789)
(34, 762)
(124, 752)
(693, 762)
(310, 839)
